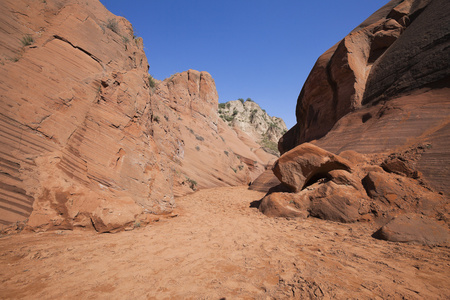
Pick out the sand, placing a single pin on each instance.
(219, 247)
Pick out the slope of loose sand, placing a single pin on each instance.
(220, 247)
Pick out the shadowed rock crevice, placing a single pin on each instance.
(322, 172)
(79, 48)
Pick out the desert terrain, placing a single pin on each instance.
(118, 185)
(216, 246)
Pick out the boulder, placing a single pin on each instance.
(305, 164)
(400, 166)
(382, 187)
(325, 200)
(338, 203)
(285, 205)
(413, 228)
(264, 182)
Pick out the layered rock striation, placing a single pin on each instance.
(385, 86)
(383, 91)
(88, 139)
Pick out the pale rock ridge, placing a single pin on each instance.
(254, 121)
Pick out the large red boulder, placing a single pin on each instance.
(305, 164)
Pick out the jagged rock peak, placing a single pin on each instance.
(249, 117)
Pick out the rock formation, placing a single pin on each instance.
(384, 91)
(88, 139)
(248, 117)
(354, 187)
(413, 228)
(384, 86)
(186, 126)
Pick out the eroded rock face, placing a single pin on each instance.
(202, 148)
(355, 189)
(384, 87)
(87, 139)
(71, 93)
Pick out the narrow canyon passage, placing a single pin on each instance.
(219, 247)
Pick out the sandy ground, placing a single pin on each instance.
(219, 247)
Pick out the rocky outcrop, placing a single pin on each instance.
(348, 188)
(384, 87)
(202, 148)
(305, 164)
(88, 139)
(248, 117)
(69, 99)
(415, 229)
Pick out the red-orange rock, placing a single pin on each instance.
(366, 193)
(340, 203)
(264, 182)
(325, 200)
(414, 228)
(87, 138)
(287, 205)
(304, 163)
(384, 87)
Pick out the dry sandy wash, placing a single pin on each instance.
(219, 247)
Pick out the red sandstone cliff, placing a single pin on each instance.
(85, 140)
(383, 91)
(384, 87)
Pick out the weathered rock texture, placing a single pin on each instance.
(86, 139)
(414, 228)
(298, 167)
(187, 129)
(248, 117)
(354, 187)
(384, 86)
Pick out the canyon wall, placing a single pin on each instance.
(383, 88)
(88, 139)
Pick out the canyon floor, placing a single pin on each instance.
(218, 246)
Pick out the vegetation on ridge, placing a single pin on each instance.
(27, 40)
(264, 129)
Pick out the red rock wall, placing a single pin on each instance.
(85, 141)
(385, 86)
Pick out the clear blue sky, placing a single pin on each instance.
(256, 49)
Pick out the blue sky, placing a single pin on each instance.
(258, 49)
